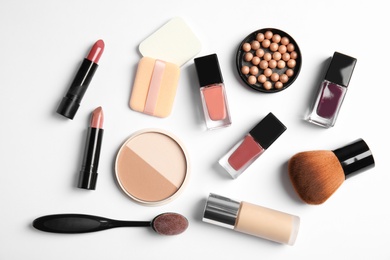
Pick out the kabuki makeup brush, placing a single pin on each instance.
(163, 224)
(316, 175)
(71, 101)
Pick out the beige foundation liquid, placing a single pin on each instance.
(266, 223)
(252, 219)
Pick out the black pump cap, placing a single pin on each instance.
(68, 107)
(355, 157)
(267, 130)
(340, 69)
(208, 70)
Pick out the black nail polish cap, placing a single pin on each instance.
(267, 130)
(340, 69)
(208, 70)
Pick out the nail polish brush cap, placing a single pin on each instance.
(355, 157)
(268, 130)
(340, 69)
(221, 211)
(208, 70)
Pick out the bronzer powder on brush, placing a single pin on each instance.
(152, 167)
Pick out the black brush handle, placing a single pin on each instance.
(81, 223)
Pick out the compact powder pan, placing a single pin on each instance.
(152, 167)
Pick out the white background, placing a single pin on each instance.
(41, 47)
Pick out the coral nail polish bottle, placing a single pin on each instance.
(245, 152)
(212, 92)
(332, 91)
(251, 219)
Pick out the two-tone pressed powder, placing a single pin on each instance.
(152, 167)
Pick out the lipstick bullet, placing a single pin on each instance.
(88, 173)
(71, 101)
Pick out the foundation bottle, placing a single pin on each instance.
(251, 219)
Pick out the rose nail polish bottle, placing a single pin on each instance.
(212, 92)
(332, 91)
(251, 219)
(243, 154)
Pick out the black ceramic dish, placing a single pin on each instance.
(240, 62)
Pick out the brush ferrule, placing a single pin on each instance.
(355, 157)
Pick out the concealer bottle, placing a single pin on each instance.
(251, 219)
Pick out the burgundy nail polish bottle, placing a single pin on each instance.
(332, 91)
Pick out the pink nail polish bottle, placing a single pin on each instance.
(254, 144)
(212, 92)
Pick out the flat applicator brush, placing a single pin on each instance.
(316, 175)
(163, 224)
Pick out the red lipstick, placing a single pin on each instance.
(88, 172)
(96, 52)
(71, 101)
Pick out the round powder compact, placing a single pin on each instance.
(268, 60)
(152, 167)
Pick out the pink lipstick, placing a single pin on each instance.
(71, 101)
(96, 52)
(88, 172)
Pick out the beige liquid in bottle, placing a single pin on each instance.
(267, 223)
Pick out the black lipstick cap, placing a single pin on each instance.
(71, 101)
(88, 173)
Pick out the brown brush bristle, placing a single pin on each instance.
(315, 175)
(170, 224)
